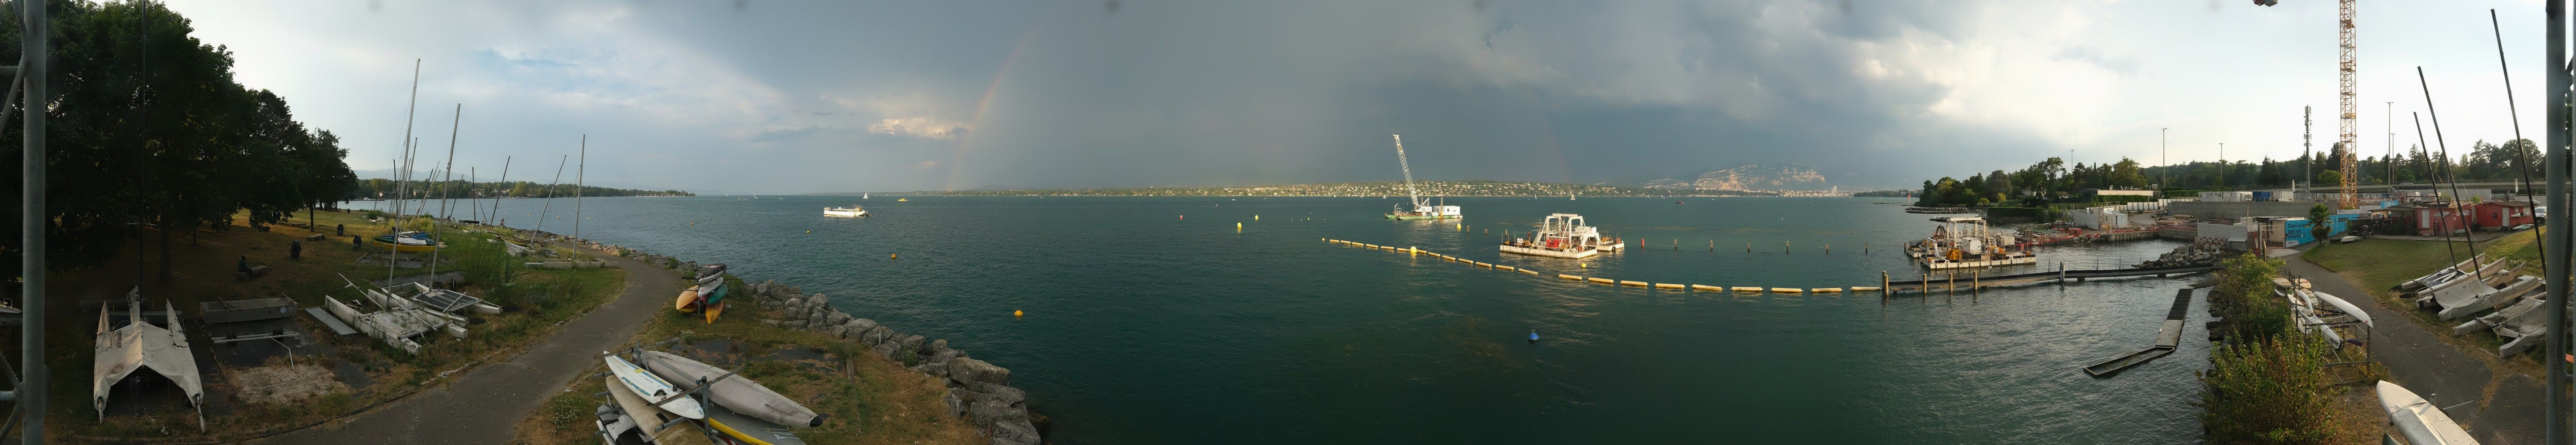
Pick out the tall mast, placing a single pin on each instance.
(1400, 162)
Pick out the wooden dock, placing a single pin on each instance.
(1973, 280)
(2168, 337)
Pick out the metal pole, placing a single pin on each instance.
(577, 183)
(30, 391)
(2553, 413)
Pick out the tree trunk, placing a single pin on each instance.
(165, 250)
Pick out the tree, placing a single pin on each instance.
(2320, 222)
(2127, 174)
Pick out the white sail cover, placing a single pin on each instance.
(139, 345)
(739, 394)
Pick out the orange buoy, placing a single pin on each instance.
(1016, 313)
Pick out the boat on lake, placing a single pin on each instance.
(851, 211)
(1422, 208)
(1563, 235)
(1965, 242)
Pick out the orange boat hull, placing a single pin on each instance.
(688, 301)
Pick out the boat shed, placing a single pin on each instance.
(2433, 217)
(2501, 214)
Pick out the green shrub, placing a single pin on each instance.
(2244, 297)
(2269, 391)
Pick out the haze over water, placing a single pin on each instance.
(1147, 327)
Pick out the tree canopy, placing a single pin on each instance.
(148, 127)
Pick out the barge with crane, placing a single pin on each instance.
(1422, 208)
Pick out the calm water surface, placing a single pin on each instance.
(1153, 320)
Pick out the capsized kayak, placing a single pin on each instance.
(738, 393)
(688, 300)
(652, 387)
(712, 311)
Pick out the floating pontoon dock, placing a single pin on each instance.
(1972, 280)
(2168, 337)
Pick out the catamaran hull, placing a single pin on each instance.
(407, 247)
(1415, 217)
(739, 394)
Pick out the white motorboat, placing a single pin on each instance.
(652, 387)
(1563, 235)
(851, 211)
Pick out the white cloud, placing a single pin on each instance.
(921, 127)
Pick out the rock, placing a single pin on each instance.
(885, 350)
(862, 324)
(998, 393)
(836, 317)
(1014, 433)
(931, 368)
(964, 369)
(939, 359)
(936, 346)
(875, 335)
(988, 414)
(911, 342)
(795, 308)
(956, 404)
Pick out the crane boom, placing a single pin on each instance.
(1400, 162)
(2351, 187)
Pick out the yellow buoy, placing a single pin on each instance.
(890, 256)
(1256, 217)
(1016, 313)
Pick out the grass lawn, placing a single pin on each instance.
(202, 263)
(864, 399)
(2378, 265)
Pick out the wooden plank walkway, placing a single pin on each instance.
(2168, 338)
(1973, 280)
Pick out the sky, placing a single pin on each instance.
(772, 97)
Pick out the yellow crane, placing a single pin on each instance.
(2349, 123)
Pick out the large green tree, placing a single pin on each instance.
(147, 127)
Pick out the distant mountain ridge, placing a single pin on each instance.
(1741, 177)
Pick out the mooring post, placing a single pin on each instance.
(1883, 290)
(1927, 286)
(1976, 284)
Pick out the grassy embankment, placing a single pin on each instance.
(202, 270)
(865, 399)
(2379, 265)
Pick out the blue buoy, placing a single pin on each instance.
(1533, 336)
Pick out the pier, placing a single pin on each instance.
(2168, 337)
(1974, 280)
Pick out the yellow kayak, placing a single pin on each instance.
(714, 310)
(688, 301)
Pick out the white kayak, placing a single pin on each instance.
(2419, 420)
(652, 387)
(738, 393)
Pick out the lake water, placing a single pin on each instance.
(1152, 320)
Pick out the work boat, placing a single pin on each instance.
(1422, 208)
(1563, 235)
(851, 211)
(1966, 242)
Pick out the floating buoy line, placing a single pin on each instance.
(1415, 251)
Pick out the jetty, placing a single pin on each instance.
(1974, 279)
(2168, 337)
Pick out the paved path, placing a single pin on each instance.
(2420, 361)
(485, 405)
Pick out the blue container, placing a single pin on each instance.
(2263, 196)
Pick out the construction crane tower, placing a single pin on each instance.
(2351, 187)
(2350, 121)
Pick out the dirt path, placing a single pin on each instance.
(2508, 411)
(482, 406)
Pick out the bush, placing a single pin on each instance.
(2244, 297)
(2269, 391)
(375, 214)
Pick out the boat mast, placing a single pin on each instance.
(1400, 162)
